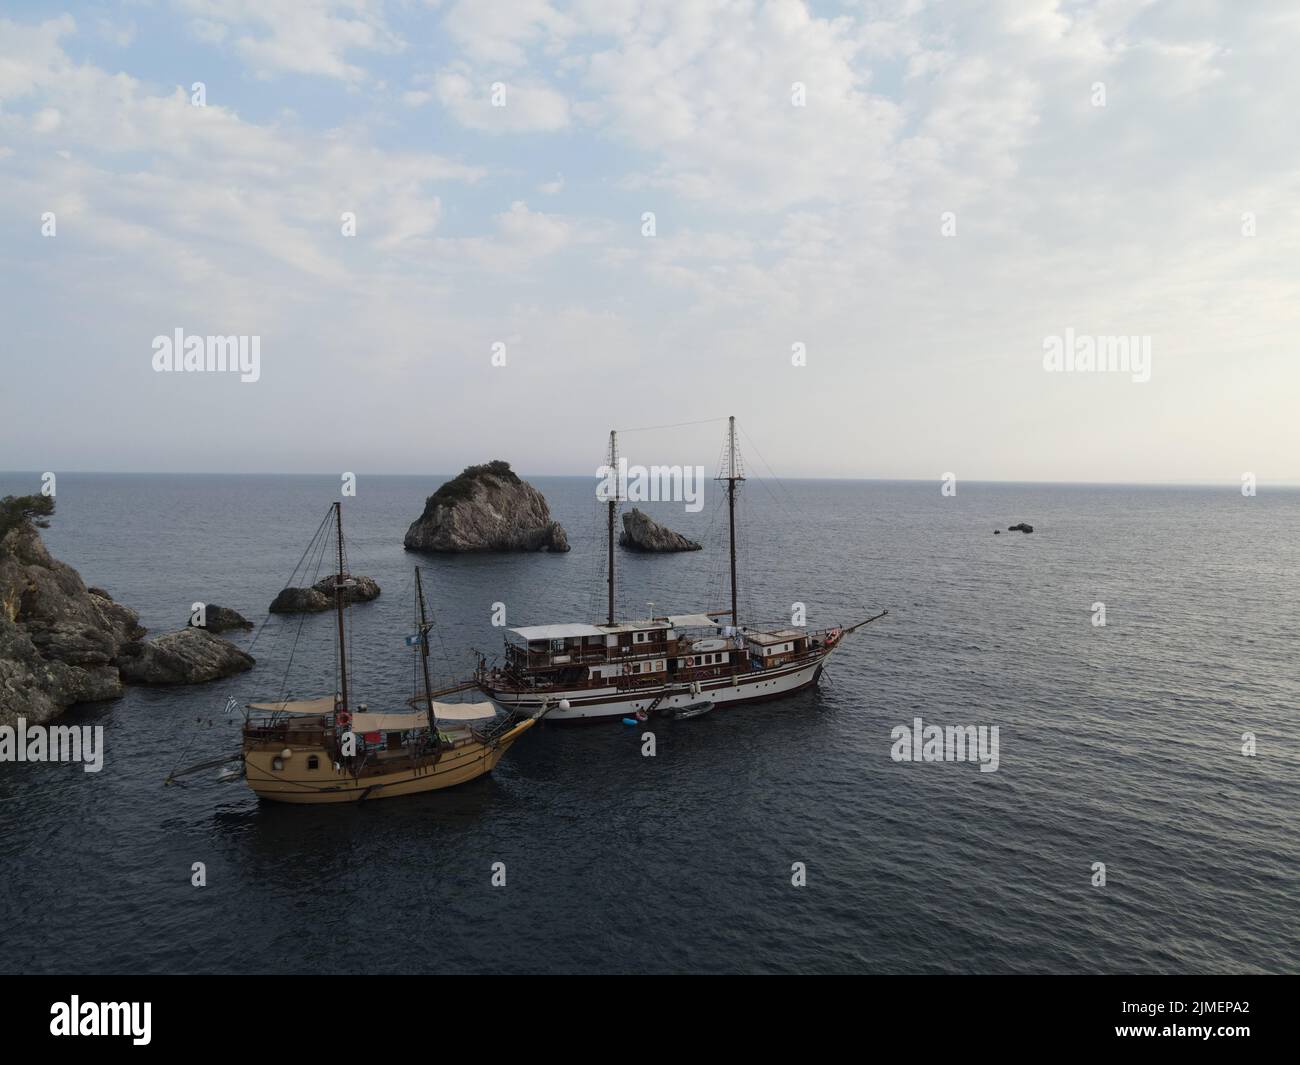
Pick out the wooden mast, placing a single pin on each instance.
(613, 504)
(338, 608)
(424, 656)
(731, 509)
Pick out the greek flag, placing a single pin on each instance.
(231, 706)
(414, 640)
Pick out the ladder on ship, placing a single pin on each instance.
(667, 693)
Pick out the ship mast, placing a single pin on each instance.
(424, 656)
(338, 608)
(732, 478)
(613, 505)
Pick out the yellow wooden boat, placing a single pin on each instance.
(321, 751)
(295, 755)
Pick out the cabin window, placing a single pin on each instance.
(313, 762)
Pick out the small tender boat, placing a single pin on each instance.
(693, 710)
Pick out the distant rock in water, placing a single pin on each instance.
(222, 619)
(320, 596)
(997, 532)
(356, 590)
(190, 656)
(300, 601)
(486, 508)
(643, 533)
(1023, 527)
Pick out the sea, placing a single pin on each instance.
(1143, 816)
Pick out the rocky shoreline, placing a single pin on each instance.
(63, 643)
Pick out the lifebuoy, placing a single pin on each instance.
(343, 719)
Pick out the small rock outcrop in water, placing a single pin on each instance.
(486, 508)
(222, 619)
(61, 642)
(643, 533)
(190, 656)
(320, 596)
(1023, 527)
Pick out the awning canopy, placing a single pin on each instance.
(396, 722)
(323, 705)
(693, 621)
(404, 722)
(464, 711)
(557, 632)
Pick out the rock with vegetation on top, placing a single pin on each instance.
(486, 508)
(222, 619)
(1023, 527)
(643, 533)
(190, 656)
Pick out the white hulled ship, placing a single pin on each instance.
(577, 671)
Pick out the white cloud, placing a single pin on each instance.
(529, 106)
(776, 223)
(304, 37)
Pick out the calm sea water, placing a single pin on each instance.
(1119, 745)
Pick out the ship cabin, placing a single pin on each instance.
(625, 654)
(773, 649)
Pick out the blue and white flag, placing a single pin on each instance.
(413, 640)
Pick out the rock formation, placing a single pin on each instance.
(63, 643)
(221, 619)
(643, 533)
(1023, 527)
(320, 596)
(190, 656)
(486, 508)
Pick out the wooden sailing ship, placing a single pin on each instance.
(576, 671)
(325, 750)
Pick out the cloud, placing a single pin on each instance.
(523, 106)
(776, 222)
(312, 37)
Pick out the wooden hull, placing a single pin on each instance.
(296, 783)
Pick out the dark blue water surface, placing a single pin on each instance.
(1119, 745)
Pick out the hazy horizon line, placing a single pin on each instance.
(1283, 483)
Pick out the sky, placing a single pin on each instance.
(861, 228)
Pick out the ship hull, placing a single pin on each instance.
(295, 783)
(587, 704)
